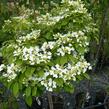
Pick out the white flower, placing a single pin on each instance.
(53, 68)
(17, 51)
(11, 71)
(50, 89)
(90, 67)
(57, 66)
(42, 82)
(69, 66)
(74, 79)
(55, 75)
(50, 82)
(64, 50)
(54, 84)
(46, 74)
(2, 66)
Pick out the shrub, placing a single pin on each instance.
(47, 51)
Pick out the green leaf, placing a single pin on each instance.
(72, 58)
(69, 88)
(34, 91)
(48, 36)
(40, 73)
(15, 88)
(28, 100)
(28, 91)
(59, 81)
(21, 77)
(50, 63)
(29, 71)
(20, 86)
(9, 84)
(63, 60)
(86, 75)
(10, 59)
(19, 62)
(81, 50)
(24, 69)
(32, 70)
(79, 77)
(64, 23)
(56, 61)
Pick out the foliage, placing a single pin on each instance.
(15, 8)
(47, 50)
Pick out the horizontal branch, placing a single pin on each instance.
(93, 106)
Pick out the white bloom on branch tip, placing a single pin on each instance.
(2, 66)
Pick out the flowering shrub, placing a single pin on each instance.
(47, 52)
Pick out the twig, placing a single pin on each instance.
(106, 98)
(50, 101)
(93, 106)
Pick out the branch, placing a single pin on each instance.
(50, 101)
(93, 106)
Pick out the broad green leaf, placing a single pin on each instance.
(15, 89)
(59, 81)
(86, 75)
(32, 70)
(57, 60)
(19, 62)
(8, 84)
(10, 59)
(81, 50)
(23, 69)
(50, 63)
(40, 73)
(63, 60)
(29, 71)
(72, 58)
(79, 77)
(21, 77)
(48, 36)
(28, 100)
(69, 88)
(34, 91)
(20, 86)
(28, 91)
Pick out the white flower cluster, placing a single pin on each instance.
(65, 50)
(9, 71)
(49, 19)
(69, 37)
(79, 7)
(31, 36)
(49, 84)
(66, 73)
(37, 54)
